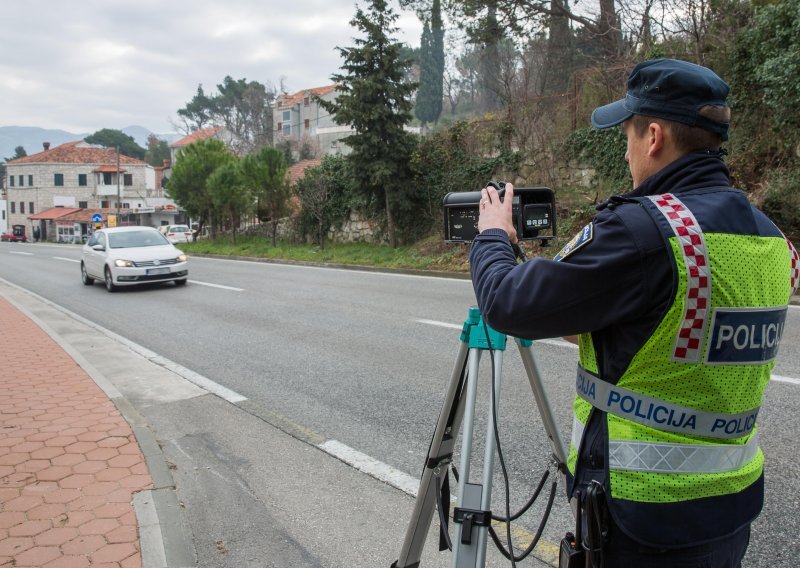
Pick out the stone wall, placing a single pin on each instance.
(356, 228)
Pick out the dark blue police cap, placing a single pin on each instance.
(669, 89)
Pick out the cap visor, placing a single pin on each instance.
(610, 115)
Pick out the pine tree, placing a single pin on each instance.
(374, 99)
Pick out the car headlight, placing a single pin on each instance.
(123, 263)
(182, 258)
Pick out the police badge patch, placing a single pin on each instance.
(577, 242)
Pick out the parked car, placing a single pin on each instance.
(177, 233)
(127, 256)
(15, 235)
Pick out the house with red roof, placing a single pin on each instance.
(82, 176)
(199, 134)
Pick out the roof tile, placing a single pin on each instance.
(78, 152)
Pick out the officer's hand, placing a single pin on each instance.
(497, 215)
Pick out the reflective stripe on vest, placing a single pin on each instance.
(659, 457)
(689, 341)
(660, 414)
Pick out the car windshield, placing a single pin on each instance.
(130, 239)
(180, 229)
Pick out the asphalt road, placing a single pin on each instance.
(363, 358)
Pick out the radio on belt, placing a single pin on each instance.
(532, 211)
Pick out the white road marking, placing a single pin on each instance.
(556, 342)
(563, 343)
(781, 379)
(67, 259)
(216, 286)
(22, 253)
(439, 323)
(371, 466)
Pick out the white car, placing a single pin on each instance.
(126, 256)
(177, 233)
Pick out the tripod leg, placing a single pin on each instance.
(489, 455)
(469, 495)
(436, 464)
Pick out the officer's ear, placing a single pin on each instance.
(656, 138)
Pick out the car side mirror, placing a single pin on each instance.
(98, 248)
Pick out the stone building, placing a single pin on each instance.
(78, 175)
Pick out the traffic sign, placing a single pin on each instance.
(97, 218)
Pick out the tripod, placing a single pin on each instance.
(472, 514)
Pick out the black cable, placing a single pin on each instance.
(527, 505)
(539, 531)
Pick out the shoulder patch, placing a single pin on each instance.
(577, 242)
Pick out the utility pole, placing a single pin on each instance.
(118, 194)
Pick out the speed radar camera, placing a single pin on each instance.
(532, 211)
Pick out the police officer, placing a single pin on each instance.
(678, 291)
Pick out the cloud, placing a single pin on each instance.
(82, 66)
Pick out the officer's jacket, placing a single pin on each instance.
(662, 286)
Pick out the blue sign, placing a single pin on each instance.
(745, 336)
(97, 218)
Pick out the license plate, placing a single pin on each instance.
(151, 271)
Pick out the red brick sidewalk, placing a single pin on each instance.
(69, 463)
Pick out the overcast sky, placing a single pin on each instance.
(83, 65)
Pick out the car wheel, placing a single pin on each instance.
(85, 278)
(180, 282)
(109, 281)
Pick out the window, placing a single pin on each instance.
(107, 178)
(307, 124)
(83, 204)
(286, 123)
(10, 181)
(13, 207)
(22, 208)
(306, 101)
(82, 179)
(128, 179)
(4, 214)
(104, 204)
(30, 180)
(21, 181)
(58, 179)
(30, 207)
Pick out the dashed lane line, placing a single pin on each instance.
(217, 286)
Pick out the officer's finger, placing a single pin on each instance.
(492, 195)
(508, 198)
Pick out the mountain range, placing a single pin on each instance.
(32, 137)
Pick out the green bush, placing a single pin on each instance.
(782, 201)
(604, 150)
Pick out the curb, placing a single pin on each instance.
(164, 542)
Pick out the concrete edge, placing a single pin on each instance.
(164, 534)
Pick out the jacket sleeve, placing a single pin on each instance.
(609, 279)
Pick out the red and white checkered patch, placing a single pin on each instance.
(795, 278)
(697, 303)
